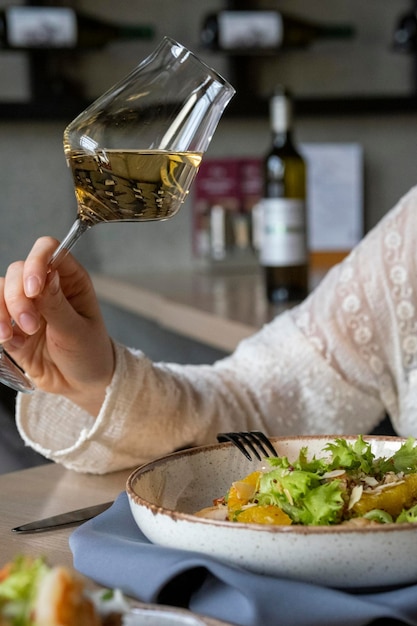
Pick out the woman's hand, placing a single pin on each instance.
(58, 337)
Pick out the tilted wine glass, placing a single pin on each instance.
(136, 150)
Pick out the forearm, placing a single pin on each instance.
(149, 410)
(153, 409)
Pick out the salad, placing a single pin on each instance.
(32, 593)
(347, 485)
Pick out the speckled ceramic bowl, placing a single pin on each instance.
(164, 494)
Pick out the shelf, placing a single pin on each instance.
(237, 109)
(41, 111)
(331, 106)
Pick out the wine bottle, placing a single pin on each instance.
(42, 27)
(283, 237)
(244, 31)
(405, 33)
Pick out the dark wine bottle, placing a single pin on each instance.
(251, 31)
(283, 237)
(41, 27)
(405, 33)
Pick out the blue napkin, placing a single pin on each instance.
(111, 550)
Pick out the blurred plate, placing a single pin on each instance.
(152, 615)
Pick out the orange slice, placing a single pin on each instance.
(263, 514)
(392, 499)
(241, 491)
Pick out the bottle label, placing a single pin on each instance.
(218, 232)
(250, 29)
(283, 232)
(281, 113)
(41, 27)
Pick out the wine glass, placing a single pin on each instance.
(136, 150)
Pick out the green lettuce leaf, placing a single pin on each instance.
(302, 495)
(303, 463)
(322, 505)
(351, 456)
(296, 483)
(18, 589)
(378, 515)
(403, 460)
(408, 515)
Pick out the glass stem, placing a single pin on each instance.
(78, 228)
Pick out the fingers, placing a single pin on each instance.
(59, 336)
(67, 302)
(36, 269)
(31, 294)
(15, 305)
(6, 331)
(23, 282)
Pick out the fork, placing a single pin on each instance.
(253, 439)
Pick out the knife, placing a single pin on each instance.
(63, 519)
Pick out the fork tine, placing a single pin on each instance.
(233, 438)
(250, 439)
(264, 439)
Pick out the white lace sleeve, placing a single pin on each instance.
(363, 319)
(332, 365)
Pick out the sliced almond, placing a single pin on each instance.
(244, 491)
(387, 486)
(334, 473)
(370, 481)
(289, 496)
(213, 512)
(355, 496)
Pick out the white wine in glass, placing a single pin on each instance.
(117, 185)
(136, 150)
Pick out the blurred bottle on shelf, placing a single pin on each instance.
(43, 27)
(221, 232)
(282, 216)
(225, 191)
(405, 33)
(257, 31)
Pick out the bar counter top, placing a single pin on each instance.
(216, 309)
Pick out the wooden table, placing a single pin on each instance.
(50, 489)
(42, 491)
(218, 310)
